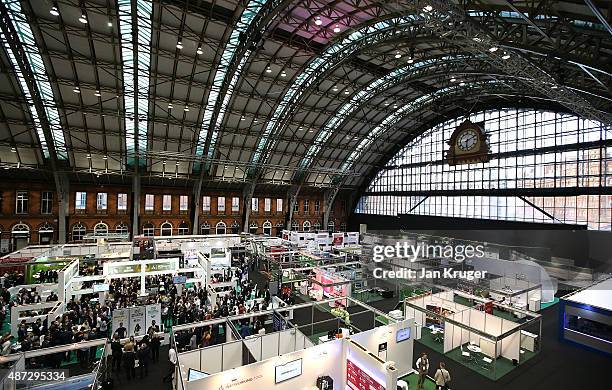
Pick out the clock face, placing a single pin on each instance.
(467, 140)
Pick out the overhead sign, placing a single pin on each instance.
(179, 279)
(101, 287)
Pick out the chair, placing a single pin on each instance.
(487, 362)
(467, 357)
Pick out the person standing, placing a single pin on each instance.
(172, 358)
(422, 365)
(442, 377)
(144, 355)
(129, 361)
(155, 341)
(116, 353)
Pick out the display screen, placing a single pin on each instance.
(179, 279)
(100, 287)
(193, 374)
(402, 334)
(288, 371)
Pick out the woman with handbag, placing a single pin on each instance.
(442, 377)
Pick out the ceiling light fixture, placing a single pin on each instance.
(97, 93)
(506, 56)
(283, 74)
(242, 117)
(54, 11)
(335, 88)
(14, 150)
(105, 158)
(398, 54)
(200, 51)
(170, 106)
(76, 90)
(318, 21)
(268, 69)
(462, 83)
(186, 109)
(410, 61)
(346, 92)
(453, 80)
(83, 19)
(89, 156)
(179, 45)
(387, 103)
(395, 106)
(337, 29)
(109, 24)
(493, 49)
(428, 8)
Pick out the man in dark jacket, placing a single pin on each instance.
(144, 356)
(116, 353)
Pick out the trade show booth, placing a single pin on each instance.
(585, 317)
(473, 333)
(370, 357)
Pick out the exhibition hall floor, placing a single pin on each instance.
(558, 366)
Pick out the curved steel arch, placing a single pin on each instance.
(376, 87)
(253, 19)
(334, 54)
(22, 51)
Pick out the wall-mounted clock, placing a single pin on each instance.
(468, 144)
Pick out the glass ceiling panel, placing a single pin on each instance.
(36, 64)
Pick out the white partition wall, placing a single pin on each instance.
(316, 361)
(399, 352)
(211, 360)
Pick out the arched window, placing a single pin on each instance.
(121, 228)
(20, 235)
(78, 232)
(267, 228)
(331, 227)
(220, 228)
(253, 228)
(531, 151)
(45, 233)
(165, 229)
(306, 226)
(148, 230)
(205, 229)
(100, 228)
(295, 226)
(183, 229)
(317, 226)
(235, 227)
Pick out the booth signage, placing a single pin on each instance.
(338, 239)
(161, 267)
(179, 279)
(358, 379)
(120, 316)
(382, 347)
(137, 321)
(153, 313)
(123, 269)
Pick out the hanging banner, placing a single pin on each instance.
(153, 314)
(137, 321)
(338, 239)
(121, 318)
